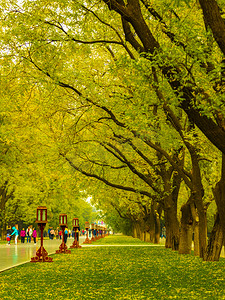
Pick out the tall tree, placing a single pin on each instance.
(118, 65)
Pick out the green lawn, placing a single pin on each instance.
(119, 240)
(116, 273)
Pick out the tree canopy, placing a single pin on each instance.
(121, 100)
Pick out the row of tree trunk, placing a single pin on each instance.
(183, 236)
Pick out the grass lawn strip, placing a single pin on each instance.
(116, 273)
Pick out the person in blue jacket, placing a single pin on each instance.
(15, 231)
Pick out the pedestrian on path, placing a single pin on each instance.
(8, 235)
(16, 233)
(34, 235)
(57, 233)
(66, 235)
(163, 232)
(52, 233)
(29, 234)
(22, 235)
(49, 234)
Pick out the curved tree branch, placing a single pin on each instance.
(146, 179)
(117, 186)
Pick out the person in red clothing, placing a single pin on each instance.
(22, 235)
(34, 235)
(8, 237)
(60, 234)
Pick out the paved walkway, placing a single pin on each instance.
(15, 255)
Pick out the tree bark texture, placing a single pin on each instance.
(186, 232)
(153, 224)
(215, 242)
(4, 197)
(219, 194)
(214, 20)
(197, 193)
(196, 239)
(172, 228)
(195, 227)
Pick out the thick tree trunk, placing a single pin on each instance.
(141, 229)
(214, 19)
(185, 245)
(197, 193)
(157, 228)
(215, 242)
(135, 235)
(196, 239)
(202, 225)
(2, 225)
(172, 228)
(4, 197)
(147, 237)
(152, 224)
(137, 232)
(195, 228)
(219, 194)
(202, 233)
(168, 243)
(142, 236)
(170, 213)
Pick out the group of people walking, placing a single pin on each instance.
(31, 233)
(57, 233)
(54, 233)
(24, 234)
